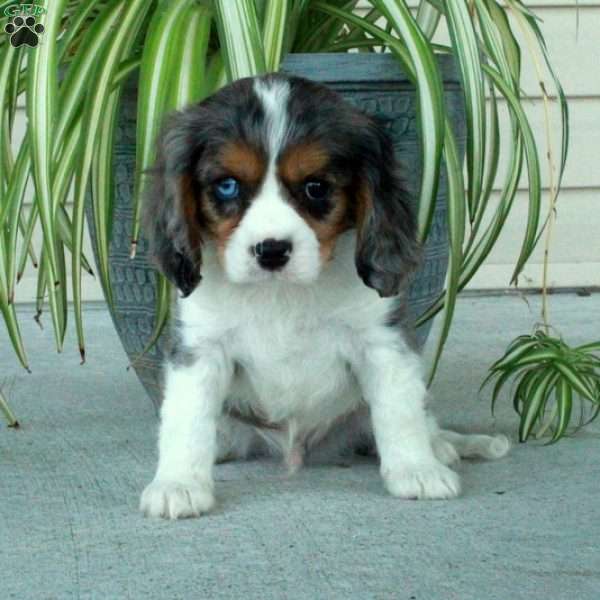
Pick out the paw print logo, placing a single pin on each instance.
(24, 31)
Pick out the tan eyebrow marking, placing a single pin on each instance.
(243, 162)
(301, 161)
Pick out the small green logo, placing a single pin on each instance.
(23, 27)
(33, 10)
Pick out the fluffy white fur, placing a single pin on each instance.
(306, 347)
(308, 354)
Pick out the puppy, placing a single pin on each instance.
(277, 210)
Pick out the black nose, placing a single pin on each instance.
(272, 254)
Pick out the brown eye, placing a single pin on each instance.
(316, 190)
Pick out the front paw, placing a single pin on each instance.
(176, 500)
(431, 480)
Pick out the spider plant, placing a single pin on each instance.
(549, 376)
(182, 51)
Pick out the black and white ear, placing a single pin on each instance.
(387, 250)
(171, 207)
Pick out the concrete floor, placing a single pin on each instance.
(527, 526)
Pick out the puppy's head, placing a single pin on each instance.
(271, 170)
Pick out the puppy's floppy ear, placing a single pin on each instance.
(171, 205)
(387, 249)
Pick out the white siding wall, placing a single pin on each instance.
(575, 253)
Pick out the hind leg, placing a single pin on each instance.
(236, 440)
(473, 445)
(450, 446)
(355, 434)
(351, 434)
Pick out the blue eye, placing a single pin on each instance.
(227, 189)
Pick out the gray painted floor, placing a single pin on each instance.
(527, 526)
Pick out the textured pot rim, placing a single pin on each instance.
(355, 67)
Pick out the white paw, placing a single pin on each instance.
(176, 500)
(431, 480)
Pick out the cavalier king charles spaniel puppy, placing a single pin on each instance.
(277, 210)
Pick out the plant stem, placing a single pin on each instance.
(551, 167)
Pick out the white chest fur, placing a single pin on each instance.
(294, 347)
(292, 368)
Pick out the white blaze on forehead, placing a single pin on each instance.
(274, 94)
(270, 215)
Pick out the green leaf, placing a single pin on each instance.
(529, 380)
(9, 58)
(122, 38)
(532, 403)
(153, 94)
(76, 83)
(65, 231)
(299, 20)
(9, 314)
(464, 41)
(163, 303)
(26, 244)
(456, 234)
(529, 19)
(274, 31)
(70, 96)
(190, 84)
(189, 68)
(254, 35)
(491, 161)
(398, 49)
(537, 356)
(76, 22)
(14, 90)
(125, 69)
(357, 33)
(575, 380)
(504, 377)
(216, 77)
(477, 250)
(589, 348)
(500, 40)
(429, 123)
(431, 102)
(40, 289)
(328, 29)
(533, 167)
(428, 18)
(515, 352)
(41, 109)
(14, 202)
(240, 37)
(564, 404)
(7, 412)
(349, 44)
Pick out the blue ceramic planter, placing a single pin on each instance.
(373, 82)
